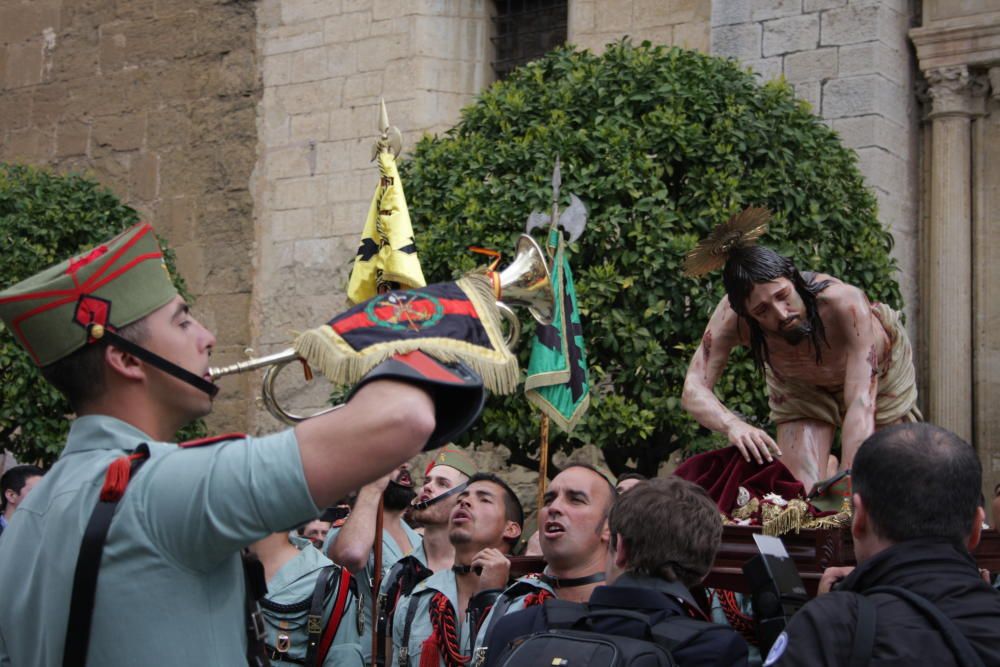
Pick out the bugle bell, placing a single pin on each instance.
(526, 282)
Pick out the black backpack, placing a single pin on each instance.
(570, 639)
(864, 637)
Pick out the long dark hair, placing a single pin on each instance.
(748, 266)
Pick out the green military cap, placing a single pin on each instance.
(453, 458)
(112, 285)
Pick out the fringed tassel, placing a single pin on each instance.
(788, 520)
(430, 651)
(116, 479)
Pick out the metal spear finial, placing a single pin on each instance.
(390, 138)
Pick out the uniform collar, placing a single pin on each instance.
(97, 432)
(442, 581)
(308, 562)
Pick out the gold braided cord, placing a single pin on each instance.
(740, 230)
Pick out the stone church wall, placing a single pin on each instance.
(157, 101)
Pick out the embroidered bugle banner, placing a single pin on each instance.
(456, 321)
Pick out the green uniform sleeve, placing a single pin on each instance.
(204, 503)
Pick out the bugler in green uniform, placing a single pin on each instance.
(109, 330)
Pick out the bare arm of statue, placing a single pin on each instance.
(853, 323)
(709, 360)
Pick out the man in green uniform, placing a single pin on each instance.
(443, 612)
(108, 329)
(302, 582)
(445, 476)
(351, 545)
(573, 535)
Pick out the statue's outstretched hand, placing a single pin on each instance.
(752, 441)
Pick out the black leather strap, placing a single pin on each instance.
(404, 651)
(88, 563)
(161, 363)
(314, 622)
(561, 582)
(441, 496)
(256, 588)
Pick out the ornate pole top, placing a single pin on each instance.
(390, 138)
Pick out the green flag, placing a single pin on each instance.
(558, 381)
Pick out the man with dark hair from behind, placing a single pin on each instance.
(629, 480)
(916, 517)
(14, 486)
(664, 537)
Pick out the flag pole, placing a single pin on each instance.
(543, 459)
(543, 446)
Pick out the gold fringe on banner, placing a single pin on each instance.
(324, 349)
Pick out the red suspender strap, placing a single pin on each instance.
(88, 562)
(336, 616)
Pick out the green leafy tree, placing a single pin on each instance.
(661, 145)
(45, 218)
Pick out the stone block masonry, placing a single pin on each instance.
(157, 102)
(850, 61)
(324, 65)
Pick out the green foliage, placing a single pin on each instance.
(44, 219)
(661, 145)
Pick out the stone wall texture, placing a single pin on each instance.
(325, 65)
(850, 60)
(157, 101)
(684, 23)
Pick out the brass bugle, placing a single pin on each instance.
(526, 282)
(274, 363)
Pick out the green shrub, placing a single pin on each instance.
(44, 219)
(661, 145)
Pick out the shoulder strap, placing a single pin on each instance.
(864, 633)
(314, 620)
(404, 651)
(255, 588)
(211, 440)
(336, 616)
(404, 575)
(953, 637)
(88, 561)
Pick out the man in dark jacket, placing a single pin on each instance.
(916, 517)
(664, 537)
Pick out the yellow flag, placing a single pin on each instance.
(388, 253)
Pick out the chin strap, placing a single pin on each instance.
(101, 333)
(561, 582)
(438, 498)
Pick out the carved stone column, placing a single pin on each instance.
(954, 103)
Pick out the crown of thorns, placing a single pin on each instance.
(741, 230)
